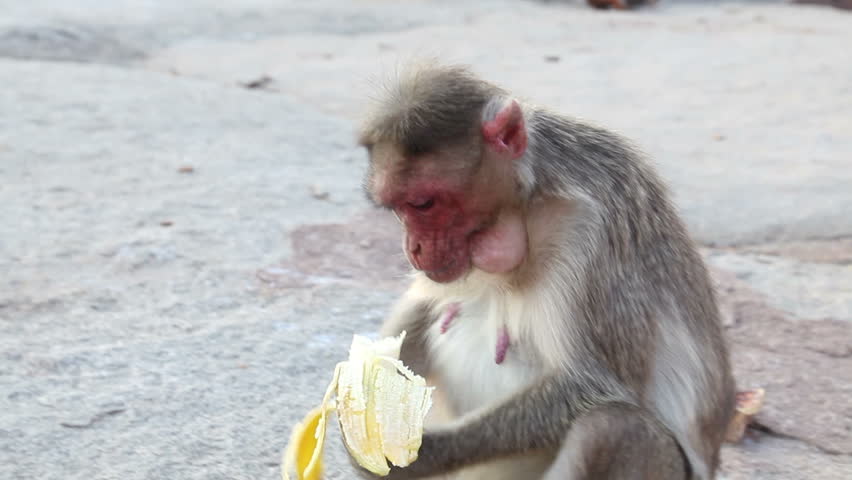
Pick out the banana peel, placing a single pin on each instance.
(309, 437)
(380, 406)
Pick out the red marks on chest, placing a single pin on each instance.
(449, 314)
(502, 345)
(503, 340)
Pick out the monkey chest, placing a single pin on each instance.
(475, 358)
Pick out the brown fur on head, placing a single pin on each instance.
(429, 106)
(442, 145)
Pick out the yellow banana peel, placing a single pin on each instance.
(380, 405)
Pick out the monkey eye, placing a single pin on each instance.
(423, 205)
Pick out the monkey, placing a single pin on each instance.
(557, 302)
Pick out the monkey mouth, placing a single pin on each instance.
(452, 271)
(443, 257)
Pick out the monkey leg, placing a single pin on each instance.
(619, 442)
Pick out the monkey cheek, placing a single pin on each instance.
(502, 247)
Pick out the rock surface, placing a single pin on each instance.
(187, 252)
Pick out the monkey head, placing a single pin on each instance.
(456, 193)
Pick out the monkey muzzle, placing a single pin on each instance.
(440, 258)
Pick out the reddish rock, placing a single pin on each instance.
(804, 366)
(838, 251)
(366, 250)
(770, 458)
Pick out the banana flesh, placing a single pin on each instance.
(380, 405)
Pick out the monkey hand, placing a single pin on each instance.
(434, 457)
(395, 473)
(427, 463)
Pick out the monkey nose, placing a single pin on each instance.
(412, 245)
(413, 250)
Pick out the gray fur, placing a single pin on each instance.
(619, 442)
(429, 108)
(640, 301)
(646, 260)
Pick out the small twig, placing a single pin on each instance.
(261, 83)
(96, 418)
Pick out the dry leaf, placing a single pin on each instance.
(749, 403)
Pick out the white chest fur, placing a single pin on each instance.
(464, 357)
(468, 376)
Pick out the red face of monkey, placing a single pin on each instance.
(440, 219)
(454, 210)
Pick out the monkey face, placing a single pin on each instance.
(455, 218)
(456, 201)
(436, 203)
(438, 231)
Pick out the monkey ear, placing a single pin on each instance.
(507, 132)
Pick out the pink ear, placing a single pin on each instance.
(507, 132)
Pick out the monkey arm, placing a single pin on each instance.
(536, 418)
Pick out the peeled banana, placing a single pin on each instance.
(380, 405)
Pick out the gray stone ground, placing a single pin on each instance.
(157, 322)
